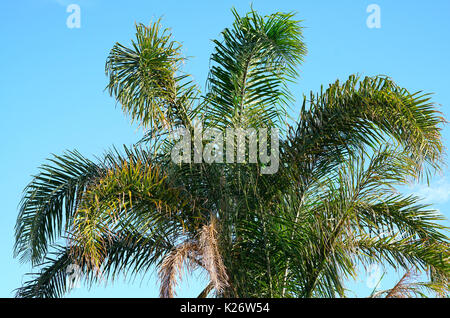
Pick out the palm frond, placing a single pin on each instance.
(146, 81)
(172, 266)
(127, 255)
(211, 256)
(49, 202)
(132, 195)
(250, 66)
(367, 112)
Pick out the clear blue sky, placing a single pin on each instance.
(52, 83)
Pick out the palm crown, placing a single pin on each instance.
(300, 232)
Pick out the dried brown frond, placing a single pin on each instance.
(403, 289)
(171, 268)
(212, 260)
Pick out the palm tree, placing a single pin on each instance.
(300, 232)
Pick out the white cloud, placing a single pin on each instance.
(438, 191)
